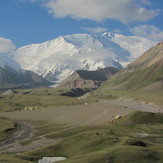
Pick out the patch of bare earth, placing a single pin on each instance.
(13, 145)
(137, 105)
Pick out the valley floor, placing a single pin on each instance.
(67, 117)
(40, 127)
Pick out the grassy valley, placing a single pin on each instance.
(83, 135)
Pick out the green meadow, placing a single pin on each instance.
(44, 97)
(121, 142)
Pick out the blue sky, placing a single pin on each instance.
(25, 22)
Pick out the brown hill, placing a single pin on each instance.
(88, 79)
(9, 92)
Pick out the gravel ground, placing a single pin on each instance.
(136, 105)
(13, 145)
(25, 132)
(16, 147)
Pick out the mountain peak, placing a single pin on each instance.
(108, 34)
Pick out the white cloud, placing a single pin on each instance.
(6, 45)
(147, 31)
(34, 0)
(146, 2)
(95, 30)
(117, 31)
(21, 1)
(100, 10)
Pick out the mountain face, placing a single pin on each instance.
(7, 62)
(55, 60)
(88, 79)
(11, 76)
(145, 73)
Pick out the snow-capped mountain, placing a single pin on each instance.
(58, 58)
(6, 61)
(12, 76)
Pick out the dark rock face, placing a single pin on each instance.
(90, 79)
(77, 92)
(10, 78)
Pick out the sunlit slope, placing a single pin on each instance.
(145, 73)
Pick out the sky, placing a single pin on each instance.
(24, 22)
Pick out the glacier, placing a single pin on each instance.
(7, 61)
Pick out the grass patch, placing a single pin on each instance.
(11, 158)
(149, 97)
(37, 97)
(139, 78)
(139, 117)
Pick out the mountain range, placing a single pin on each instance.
(12, 76)
(56, 59)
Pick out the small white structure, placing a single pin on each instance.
(51, 159)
